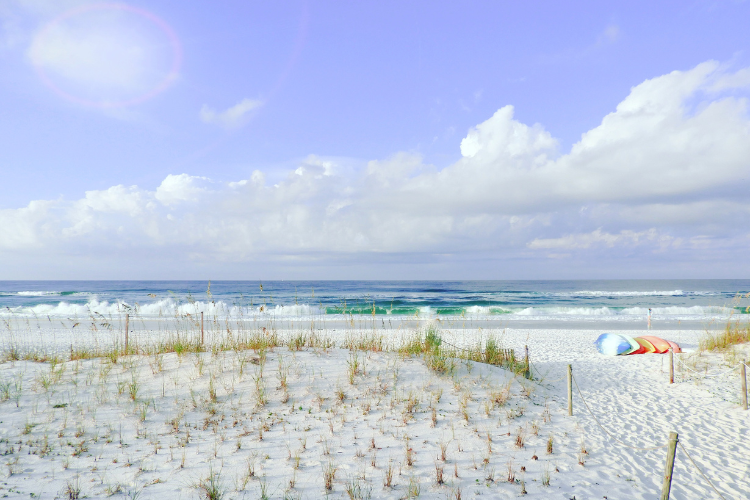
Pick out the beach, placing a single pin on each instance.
(374, 250)
(343, 410)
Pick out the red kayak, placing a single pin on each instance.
(660, 345)
(642, 347)
(675, 347)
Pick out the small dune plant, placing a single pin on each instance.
(211, 486)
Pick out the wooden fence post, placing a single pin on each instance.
(671, 366)
(528, 368)
(201, 328)
(127, 328)
(743, 382)
(666, 485)
(570, 390)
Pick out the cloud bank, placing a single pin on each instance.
(663, 178)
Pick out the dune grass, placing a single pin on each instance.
(181, 336)
(263, 413)
(735, 333)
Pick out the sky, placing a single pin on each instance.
(374, 140)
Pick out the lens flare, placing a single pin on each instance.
(47, 51)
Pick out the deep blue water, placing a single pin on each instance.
(603, 300)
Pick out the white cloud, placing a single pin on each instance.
(179, 188)
(737, 80)
(652, 147)
(23, 228)
(231, 118)
(501, 138)
(666, 172)
(600, 238)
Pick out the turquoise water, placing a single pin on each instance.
(592, 300)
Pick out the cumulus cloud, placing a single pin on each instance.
(654, 146)
(179, 188)
(23, 228)
(666, 172)
(231, 118)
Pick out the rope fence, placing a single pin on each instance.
(699, 470)
(502, 357)
(673, 441)
(671, 445)
(705, 374)
(724, 393)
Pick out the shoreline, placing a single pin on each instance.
(145, 339)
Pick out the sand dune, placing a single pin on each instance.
(275, 423)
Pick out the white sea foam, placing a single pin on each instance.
(167, 308)
(566, 311)
(633, 293)
(675, 312)
(486, 310)
(159, 308)
(625, 293)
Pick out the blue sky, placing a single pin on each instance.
(374, 140)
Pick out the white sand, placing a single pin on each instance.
(97, 439)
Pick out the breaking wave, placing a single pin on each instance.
(626, 293)
(166, 308)
(162, 308)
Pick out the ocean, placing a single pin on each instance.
(513, 304)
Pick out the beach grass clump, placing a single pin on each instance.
(493, 353)
(353, 368)
(211, 486)
(388, 475)
(545, 475)
(358, 489)
(432, 339)
(443, 445)
(439, 470)
(329, 474)
(409, 455)
(413, 489)
(412, 346)
(297, 341)
(72, 489)
(366, 342)
(735, 333)
(429, 345)
(437, 358)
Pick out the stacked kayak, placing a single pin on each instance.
(616, 344)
